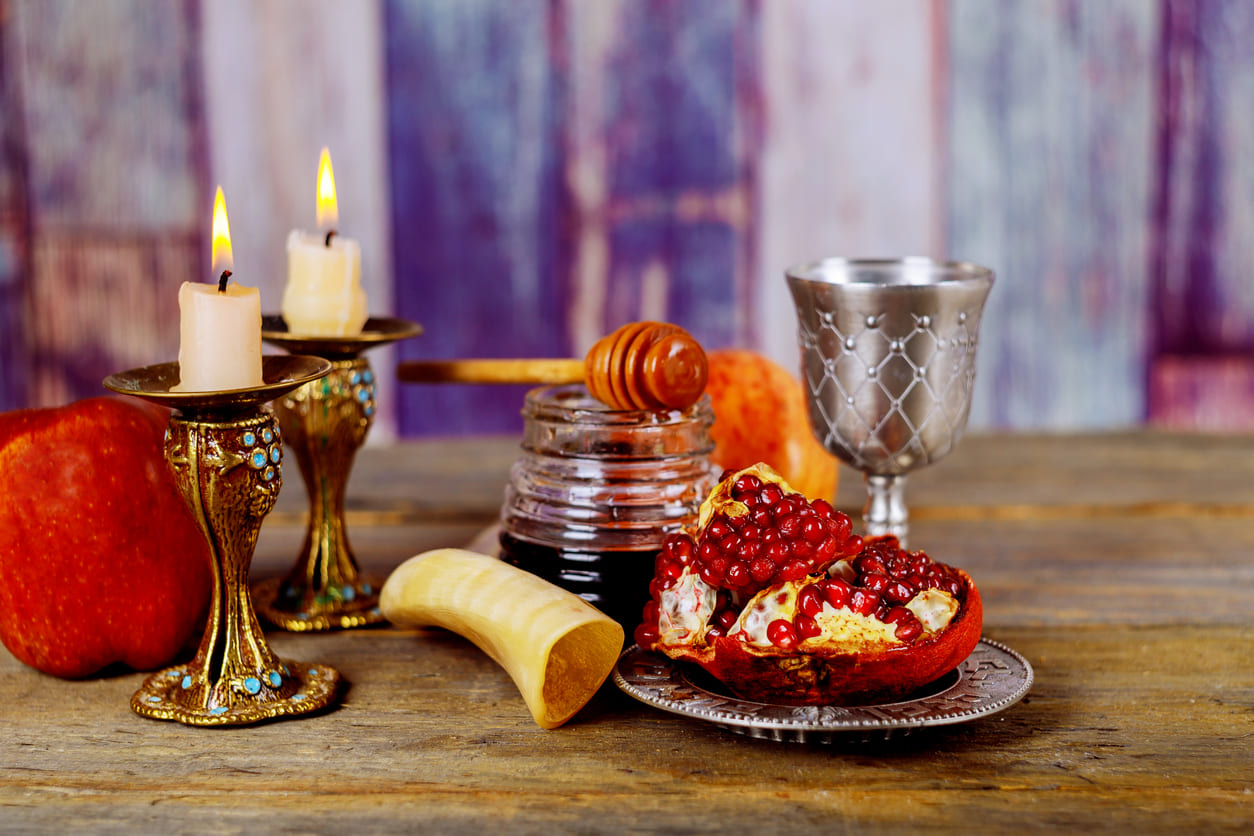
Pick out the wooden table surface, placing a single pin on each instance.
(1121, 566)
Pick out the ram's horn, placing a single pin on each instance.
(558, 648)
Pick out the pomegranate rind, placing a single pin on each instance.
(840, 676)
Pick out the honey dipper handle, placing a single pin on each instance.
(491, 371)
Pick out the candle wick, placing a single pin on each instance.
(226, 274)
(329, 236)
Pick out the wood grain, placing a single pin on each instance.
(1139, 628)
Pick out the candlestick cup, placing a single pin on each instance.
(888, 364)
(225, 451)
(325, 423)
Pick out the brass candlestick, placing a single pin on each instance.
(325, 422)
(225, 451)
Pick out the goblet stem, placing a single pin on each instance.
(228, 469)
(325, 422)
(885, 511)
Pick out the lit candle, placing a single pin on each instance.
(324, 296)
(220, 324)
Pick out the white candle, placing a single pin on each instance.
(219, 337)
(219, 324)
(324, 296)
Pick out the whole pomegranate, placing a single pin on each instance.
(777, 598)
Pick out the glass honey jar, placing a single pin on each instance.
(595, 492)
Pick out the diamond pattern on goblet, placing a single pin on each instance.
(885, 399)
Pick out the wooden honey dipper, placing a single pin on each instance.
(642, 365)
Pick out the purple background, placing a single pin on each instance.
(526, 176)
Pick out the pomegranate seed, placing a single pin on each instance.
(651, 612)
(770, 495)
(751, 532)
(837, 592)
(760, 517)
(707, 551)
(801, 549)
(853, 545)
(909, 629)
(806, 626)
(790, 526)
(718, 528)
(715, 632)
(895, 614)
(793, 570)
(823, 508)
(876, 582)
(708, 575)
(864, 601)
(813, 529)
(897, 593)
(749, 549)
(737, 574)
(778, 552)
(646, 634)
(810, 600)
(671, 570)
(771, 535)
(762, 569)
(781, 634)
(868, 562)
(725, 619)
(826, 549)
(786, 506)
(842, 527)
(747, 484)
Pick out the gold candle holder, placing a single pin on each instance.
(225, 451)
(325, 422)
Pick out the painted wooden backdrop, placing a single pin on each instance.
(525, 176)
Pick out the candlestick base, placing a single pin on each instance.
(225, 451)
(325, 423)
(293, 688)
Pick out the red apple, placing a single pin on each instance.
(760, 416)
(101, 560)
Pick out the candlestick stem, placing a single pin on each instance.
(325, 422)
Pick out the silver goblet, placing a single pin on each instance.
(888, 364)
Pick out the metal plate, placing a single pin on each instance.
(990, 680)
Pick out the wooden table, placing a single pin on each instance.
(1121, 566)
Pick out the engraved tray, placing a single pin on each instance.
(991, 679)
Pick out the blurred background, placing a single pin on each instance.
(526, 175)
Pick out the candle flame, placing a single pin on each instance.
(223, 258)
(328, 207)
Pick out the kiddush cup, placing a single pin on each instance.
(888, 364)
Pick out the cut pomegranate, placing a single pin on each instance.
(775, 595)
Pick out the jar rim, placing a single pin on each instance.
(571, 403)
